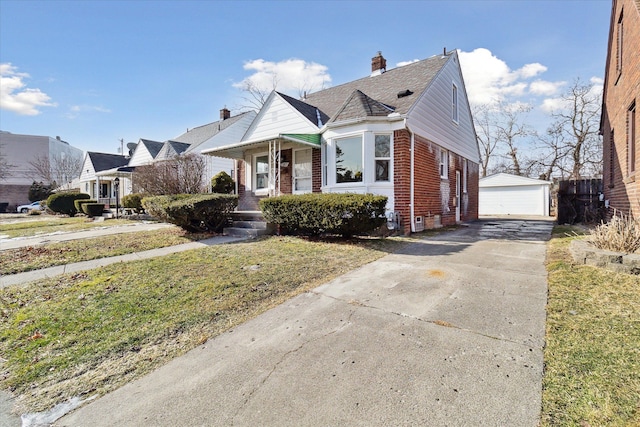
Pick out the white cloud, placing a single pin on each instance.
(16, 97)
(490, 80)
(546, 88)
(75, 110)
(403, 63)
(285, 76)
(531, 70)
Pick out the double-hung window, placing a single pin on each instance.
(302, 171)
(382, 157)
(444, 164)
(349, 160)
(262, 171)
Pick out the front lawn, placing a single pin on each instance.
(50, 224)
(592, 354)
(91, 332)
(42, 256)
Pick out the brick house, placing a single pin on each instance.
(405, 133)
(618, 124)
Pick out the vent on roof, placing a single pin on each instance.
(404, 93)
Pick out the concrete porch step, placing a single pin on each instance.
(248, 223)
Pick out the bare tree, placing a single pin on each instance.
(256, 96)
(178, 175)
(484, 124)
(61, 168)
(579, 122)
(499, 128)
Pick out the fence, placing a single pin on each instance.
(580, 201)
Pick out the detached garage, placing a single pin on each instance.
(506, 194)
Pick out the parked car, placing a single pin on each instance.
(32, 206)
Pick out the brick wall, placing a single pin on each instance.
(622, 89)
(432, 195)
(15, 195)
(316, 170)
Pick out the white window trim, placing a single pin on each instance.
(465, 171)
(390, 158)
(444, 165)
(254, 173)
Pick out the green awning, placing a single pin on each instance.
(304, 138)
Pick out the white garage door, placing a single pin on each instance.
(526, 200)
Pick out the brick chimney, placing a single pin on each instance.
(225, 114)
(378, 64)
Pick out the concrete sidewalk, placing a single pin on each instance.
(22, 242)
(30, 276)
(449, 332)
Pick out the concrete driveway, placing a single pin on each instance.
(447, 333)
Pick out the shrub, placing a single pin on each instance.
(79, 202)
(93, 209)
(193, 212)
(64, 202)
(222, 183)
(620, 234)
(313, 214)
(133, 201)
(39, 191)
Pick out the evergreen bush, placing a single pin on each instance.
(332, 213)
(133, 201)
(93, 209)
(193, 212)
(222, 183)
(63, 203)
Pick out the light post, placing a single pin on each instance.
(116, 183)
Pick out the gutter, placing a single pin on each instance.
(412, 191)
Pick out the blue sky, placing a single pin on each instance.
(93, 72)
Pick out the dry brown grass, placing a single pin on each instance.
(620, 234)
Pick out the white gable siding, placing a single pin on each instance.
(431, 116)
(276, 117)
(88, 171)
(141, 156)
(230, 135)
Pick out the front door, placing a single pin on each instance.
(457, 199)
(302, 171)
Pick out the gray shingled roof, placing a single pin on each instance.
(383, 88)
(153, 147)
(105, 161)
(200, 134)
(307, 110)
(171, 149)
(360, 105)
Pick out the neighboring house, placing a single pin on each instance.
(20, 151)
(227, 129)
(506, 194)
(406, 133)
(619, 120)
(98, 184)
(145, 152)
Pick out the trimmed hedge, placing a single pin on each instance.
(193, 212)
(63, 203)
(79, 202)
(133, 201)
(93, 209)
(346, 214)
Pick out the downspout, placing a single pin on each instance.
(412, 190)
